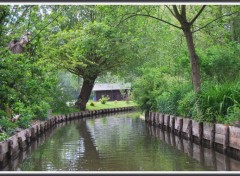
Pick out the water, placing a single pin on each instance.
(121, 142)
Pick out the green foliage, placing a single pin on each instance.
(147, 88)
(157, 90)
(221, 62)
(187, 104)
(24, 122)
(3, 136)
(104, 99)
(92, 103)
(154, 56)
(169, 101)
(41, 110)
(217, 100)
(7, 125)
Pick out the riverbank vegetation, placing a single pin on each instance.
(181, 60)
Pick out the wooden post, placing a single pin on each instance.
(178, 125)
(212, 136)
(41, 128)
(197, 131)
(146, 116)
(156, 118)
(166, 121)
(27, 135)
(150, 117)
(187, 128)
(226, 141)
(161, 120)
(209, 133)
(172, 123)
(34, 132)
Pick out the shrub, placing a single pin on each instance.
(92, 103)
(186, 106)
(216, 101)
(147, 87)
(24, 122)
(3, 136)
(168, 101)
(104, 99)
(7, 125)
(220, 62)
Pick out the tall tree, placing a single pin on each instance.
(186, 16)
(89, 52)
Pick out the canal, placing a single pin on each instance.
(118, 142)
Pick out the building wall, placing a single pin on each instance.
(113, 95)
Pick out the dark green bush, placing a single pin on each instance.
(92, 103)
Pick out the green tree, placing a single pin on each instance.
(88, 52)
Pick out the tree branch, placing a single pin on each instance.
(183, 11)
(145, 15)
(199, 13)
(214, 20)
(170, 11)
(44, 28)
(177, 15)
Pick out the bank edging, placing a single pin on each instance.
(224, 138)
(10, 148)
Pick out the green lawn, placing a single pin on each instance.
(97, 105)
(110, 104)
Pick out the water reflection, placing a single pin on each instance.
(121, 142)
(205, 156)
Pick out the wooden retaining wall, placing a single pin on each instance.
(10, 148)
(223, 138)
(206, 156)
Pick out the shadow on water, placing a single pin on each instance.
(116, 142)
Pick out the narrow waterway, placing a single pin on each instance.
(120, 142)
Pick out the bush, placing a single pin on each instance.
(168, 102)
(24, 122)
(7, 126)
(216, 101)
(186, 106)
(92, 103)
(104, 99)
(3, 136)
(221, 62)
(147, 88)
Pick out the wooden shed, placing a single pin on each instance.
(114, 91)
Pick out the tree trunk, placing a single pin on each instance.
(85, 93)
(196, 77)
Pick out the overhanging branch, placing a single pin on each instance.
(170, 10)
(146, 15)
(215, 20)
(199, 13)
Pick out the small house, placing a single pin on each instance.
(113, 91)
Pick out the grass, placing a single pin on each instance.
(110, 104)
(98, 105)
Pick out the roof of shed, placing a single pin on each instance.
(101, 87)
